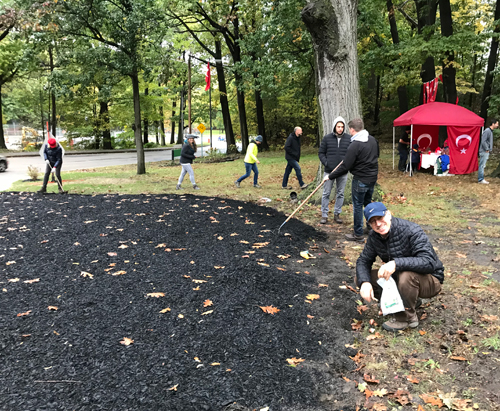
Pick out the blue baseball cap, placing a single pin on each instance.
(374, 210)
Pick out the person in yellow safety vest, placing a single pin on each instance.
(251, 162)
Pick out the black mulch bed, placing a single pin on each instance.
(231, 358)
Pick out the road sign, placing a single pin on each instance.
(201, 128)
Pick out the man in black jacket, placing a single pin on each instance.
(292, 155)
(331, 152)
(408, 257)
(361, 160)
(53, 156)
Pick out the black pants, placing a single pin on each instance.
(48, 169)
(403, 157)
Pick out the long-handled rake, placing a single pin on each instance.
(60, 186)
(307, 199)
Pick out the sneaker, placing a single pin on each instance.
(42, 190)
(393, 325)
(304, 186)
(286, 188)
(237, 184)
(323, 220)
(354, 237)
(257, 186)
(337, 219)
(196, 187)
(483, 182)
(178, 187)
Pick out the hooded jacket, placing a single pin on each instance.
(252, 152)
(187, 154)
(332, 151)
(407, 245)
(292, 147)
(54, 155)
(361, 159)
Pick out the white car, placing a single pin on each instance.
(3, 163)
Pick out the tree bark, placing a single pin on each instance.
(376, 114)
(221, 79)
(141, 164)
(104, 120)
(146, 120)
(172, 134)
(180, 135)
(449, 71)
(492, 61)
(162, 126)
(2, 136)
(52, 95)
(332, 24)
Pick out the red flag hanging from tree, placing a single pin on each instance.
(463, 143)
(207, 77)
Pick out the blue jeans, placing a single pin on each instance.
(339, 194)
(292, 165)
(249, 167)
(483, 158)
(361, 197)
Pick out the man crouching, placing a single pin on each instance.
(408, 257)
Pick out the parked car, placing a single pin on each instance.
(3, 163)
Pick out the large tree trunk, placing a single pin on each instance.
(162, 126)
(449, 72)
(221, 78)
(104, 121)
(172, 135)
(402, 94)
(492, 61)
(261, 125)
(2, 137)
(141, 164)
(146, 120)
(52, 95)
(426, 11)
(332, 24)
(180, 135)
(333, 28)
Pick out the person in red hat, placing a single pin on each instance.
(53, 156)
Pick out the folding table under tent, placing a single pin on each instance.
(464, 132)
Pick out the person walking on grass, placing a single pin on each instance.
(485, 149)
(53, 156)
(187, 157)
(331, 152)
(251, 162)
(292, 155)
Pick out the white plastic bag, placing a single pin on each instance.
(391, 301)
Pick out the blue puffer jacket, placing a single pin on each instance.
(407, 245)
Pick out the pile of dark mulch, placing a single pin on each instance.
(100, 263)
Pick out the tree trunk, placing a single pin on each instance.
(376, 114)
(492, 61)
(221, 78)
(146, 121)
(261, 125)
(449, 71)
(2, 136)
(141, 164)
(332, 25)
(104, 120)
(172, 135)
(96, 121)
(162, 126)
(52, 95)
(402, 94)
(180, 135)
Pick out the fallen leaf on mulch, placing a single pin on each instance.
(310, 316)
(412, 379)
(294, 361)
(423, 316)
(10, 262)
(357, 357)
(86, 274)
(263, 264)
(165, 310)
(380, 393)
(322, 285)
(361, 308)
(174, 388)
(219, 267)
(213, 364)
(374, 336)
(198, 281)
(207, 303)
(23, 314)
(312, 297)
(207, 312)
(461, 255)
(126, 341)
(281, 269)
(123, 246)
(428, 399)
(52, 308)
(35, 280)
(490, 318)
(155, 295)
(356, 325)
(458, 358)
(422, 332)
(371, 379)
(402, 396)
(121, 272)
(379, 407)
(269, 309)
(283, 257)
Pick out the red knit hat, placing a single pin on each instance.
(52, 142)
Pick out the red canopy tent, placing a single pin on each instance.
(463, 127)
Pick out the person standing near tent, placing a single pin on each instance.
(187, 157)
(251, 162)
(331, 152)
(53, 156)
(292, 156)
(361, 160)
(403, 145)
(485, 149)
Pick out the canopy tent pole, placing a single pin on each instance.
(411, 148)
(393, 144)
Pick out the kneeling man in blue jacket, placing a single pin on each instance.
(408, 257)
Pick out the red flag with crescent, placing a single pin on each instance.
(463, 143)
(207, 77)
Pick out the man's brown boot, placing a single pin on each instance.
(323, 220)
(337, 219)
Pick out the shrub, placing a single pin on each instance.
(33, 172)
(151, 145)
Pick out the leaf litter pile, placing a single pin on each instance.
(167, 302)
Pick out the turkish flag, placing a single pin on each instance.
(427, 137)
(207, 77)
(463, 143)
